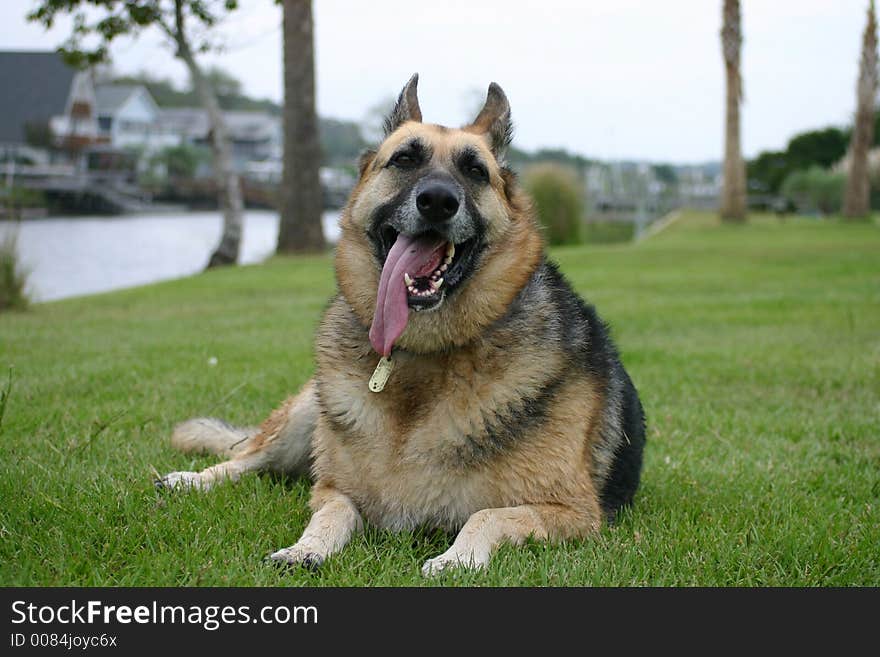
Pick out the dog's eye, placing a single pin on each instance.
(404, 160)
(477, 172)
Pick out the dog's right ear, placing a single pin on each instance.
(407, 107)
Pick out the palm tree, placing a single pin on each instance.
(301, 197)
(856, 202)
(733, 192)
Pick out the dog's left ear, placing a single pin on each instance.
(494, 120)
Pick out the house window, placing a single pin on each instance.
(134, 127)
(105, 123)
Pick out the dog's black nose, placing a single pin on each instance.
(437, 201)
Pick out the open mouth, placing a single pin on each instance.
(418, 272)
(441, 268)
(426, 290)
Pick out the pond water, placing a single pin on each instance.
(69, 257)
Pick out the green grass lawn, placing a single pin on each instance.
(756, 351)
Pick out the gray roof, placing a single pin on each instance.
(243, 125)
(110, 97)
(35, 87)
(189, 121)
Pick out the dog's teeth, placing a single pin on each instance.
(444, 267)
(436, 284)
(450, 251)
(407, 279)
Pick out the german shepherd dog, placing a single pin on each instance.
(460, 383)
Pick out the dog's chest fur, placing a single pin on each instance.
(450, 433)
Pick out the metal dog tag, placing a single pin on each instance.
(381, 374)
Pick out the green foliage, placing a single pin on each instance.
(815, 190)
(822, 148)
(182, 161)
(767, 172)
(559, 201)
(341, 141)
(38, 134)
(665, 173)
(108, 20)
(21, 197)
(222, 82)
(817, 147)
(13, 278)
(751, 347)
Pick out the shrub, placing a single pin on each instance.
(815, 189)
(183, 161)
(173, 162)
(12, 277)
(16, 198)
(558, 196)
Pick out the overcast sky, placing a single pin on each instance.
(609, 79)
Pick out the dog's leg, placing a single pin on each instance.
(333, 524)
(205, 479)
(486, 529)
(282, 444)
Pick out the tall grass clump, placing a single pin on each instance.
(815, 190)
(13, 277)
(558, 195)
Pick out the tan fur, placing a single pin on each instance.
(399, 465)
(211, 436)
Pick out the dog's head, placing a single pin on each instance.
(436, 238)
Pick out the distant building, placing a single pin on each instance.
(47, 108)
(129, 117)
(256, 136)
(700, 186)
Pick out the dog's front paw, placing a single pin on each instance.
(453, 558)
(183, 481)
(298, 555)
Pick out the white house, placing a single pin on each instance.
(129, 117)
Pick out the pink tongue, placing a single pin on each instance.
(408, 255)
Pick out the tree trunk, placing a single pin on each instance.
(856, 202)
(302, 201)
(228, 183)
(733, 191)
